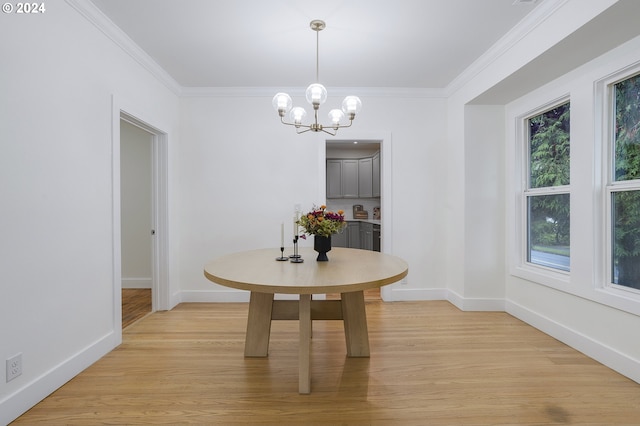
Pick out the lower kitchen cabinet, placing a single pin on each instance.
(354, 234)
(358, 235)
(341, 239)
(366, 236)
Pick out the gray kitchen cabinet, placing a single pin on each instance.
(365, 178)
(341, 239)
(353, 229)
(375, 172)
(334, 178)
(342, 178)
(376, 237)
(358, 235)
(366, 236)
(350, 178)
(353, 178)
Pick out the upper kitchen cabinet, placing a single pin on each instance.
(365, 176)
(342, 178)
(353, 178)
(375, 169)
(334, 178)
(350, 176)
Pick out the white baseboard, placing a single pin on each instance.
(610, 357)
(400, 293)
(397, 293)
(214, 296)
(136, 282)
(17, 403)
(475, 304)
(230, 296)
(221, 296)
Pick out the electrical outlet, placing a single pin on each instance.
(14, 367)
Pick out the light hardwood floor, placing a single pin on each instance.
(430, 364)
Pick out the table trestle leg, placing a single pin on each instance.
(258, 325)
(304, 378)
(355, 324)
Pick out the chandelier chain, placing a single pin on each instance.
(317, 56)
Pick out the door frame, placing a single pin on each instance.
(160, 286)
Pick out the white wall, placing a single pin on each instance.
(59, 74)
(241, 180)
(484, 190)
(504, 71)
(479, 198)
(233, 180)
(580, 310)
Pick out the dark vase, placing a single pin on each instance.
(322, 245)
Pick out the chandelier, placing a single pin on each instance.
(316, 95)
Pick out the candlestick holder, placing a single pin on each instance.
(282, 256)
(295, 257)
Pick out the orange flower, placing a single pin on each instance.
(340, 212)
(322, 207)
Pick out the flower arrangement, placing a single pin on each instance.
(320, 221)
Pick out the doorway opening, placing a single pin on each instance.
(354, 177)
(136, 221)
(155, 278)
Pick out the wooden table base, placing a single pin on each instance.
(263, 309)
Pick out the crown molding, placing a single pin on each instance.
(529, 23)
(95, 16)
(395, 92)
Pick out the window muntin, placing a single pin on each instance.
(624, 189)
(547, 193)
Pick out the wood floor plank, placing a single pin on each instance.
(430, 364)
(136, 303)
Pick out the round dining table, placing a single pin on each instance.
(348, 272)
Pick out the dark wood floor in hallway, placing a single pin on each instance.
(136, 303)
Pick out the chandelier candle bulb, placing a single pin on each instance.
(316, 95)
(297, 114)
(282, 103)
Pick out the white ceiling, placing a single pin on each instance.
(367, 43)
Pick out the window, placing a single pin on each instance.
(547, 189)
(624, 184)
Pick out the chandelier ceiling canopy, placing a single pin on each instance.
(316, 95)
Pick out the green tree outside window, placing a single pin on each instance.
(548, 216)
(626, 203)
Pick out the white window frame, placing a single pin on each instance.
(523, 268)
(606, 93)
